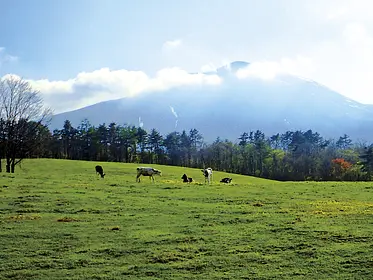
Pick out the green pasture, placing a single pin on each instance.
(59, 220)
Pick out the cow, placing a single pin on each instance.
(147, 171)
(100, 170)
(208, 174)
(186, 179)
(226, 180)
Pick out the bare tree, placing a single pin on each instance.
(22, 113)
(2, 141)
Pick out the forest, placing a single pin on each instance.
(290, 156)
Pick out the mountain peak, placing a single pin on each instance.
(232, 67)
(236, 65)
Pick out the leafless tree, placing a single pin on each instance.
(22, 113)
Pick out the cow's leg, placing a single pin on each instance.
(138, 178)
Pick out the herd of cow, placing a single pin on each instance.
(149, 171)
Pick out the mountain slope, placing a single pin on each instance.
(236, 106)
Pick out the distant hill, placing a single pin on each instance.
(237, 106)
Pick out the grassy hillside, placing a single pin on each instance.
(59, 220)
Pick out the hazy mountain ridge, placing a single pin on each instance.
(236, 106)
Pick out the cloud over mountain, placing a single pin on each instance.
(88, 88)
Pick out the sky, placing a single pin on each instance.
(80, 52)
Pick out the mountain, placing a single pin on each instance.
(234, 107)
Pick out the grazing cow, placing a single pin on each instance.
(208, 174)
(226, 180)
(147, 171)
(100, 170)
(186, 179)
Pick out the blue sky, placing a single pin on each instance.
(120, 45)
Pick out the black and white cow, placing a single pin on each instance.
(147, 171)
(208, 174)
(100, 170)
(226, 180)
(186, 179)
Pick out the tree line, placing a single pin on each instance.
(293, 155)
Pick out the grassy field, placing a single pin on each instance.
(59, 220)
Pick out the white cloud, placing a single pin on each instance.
(10, 76)
(342, 62)
(357, 36)
(168, 45)
(51, 87)
(266, 70)
(88, 88)
(337, 13)
(10, 58)
(352, 10)
(269, 70)
(210, 67)
(6, 57)
(345, 63)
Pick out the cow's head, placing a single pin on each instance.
(157, 172)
